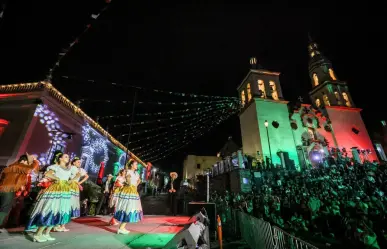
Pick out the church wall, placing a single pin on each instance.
(281, 139)
(18, 115)
(343, 120)
(302, 131)
(327, 135)
(251, 142)
(297, 133)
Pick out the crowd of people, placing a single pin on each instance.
(58, 200)
(338, 203)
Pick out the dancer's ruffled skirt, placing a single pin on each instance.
(52, 207)
(114, 197)
(74, 200)
(128, 207)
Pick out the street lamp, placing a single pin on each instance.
(207, 185)
(268, 140)
(154, 173)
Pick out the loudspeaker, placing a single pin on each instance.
(196, 207)
(190, 237)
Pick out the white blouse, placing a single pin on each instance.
(120, 179)
(75, 170)
(134, 176)
(62, 174)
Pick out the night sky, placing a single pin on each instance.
(203, 49)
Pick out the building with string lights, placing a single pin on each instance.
(299, 135)
(36, 118)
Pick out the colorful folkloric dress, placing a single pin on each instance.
(128, 208)
(118, 185)
(53, 203)
(74, 190)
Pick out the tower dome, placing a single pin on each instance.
(317, 59)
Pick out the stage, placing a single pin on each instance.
(94, 232)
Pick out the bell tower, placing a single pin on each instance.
(327, 89)
(332, 97)
(264, 118)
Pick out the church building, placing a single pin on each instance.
(301, 135)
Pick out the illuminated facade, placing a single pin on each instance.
(37, 119)
(267, 104)
(196, 165)
(303, 135)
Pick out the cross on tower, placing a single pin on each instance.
(301, 99)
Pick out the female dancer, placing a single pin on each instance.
(118, 184)
(76, 173)
(129, 207)
(53, 203)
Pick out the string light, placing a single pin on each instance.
(159, 113)
(158, 102)
(171, 141)
(153, 136)
(189, 130)
(175, 135)
(173, 117)
(183, 140)
(180, 94)
(200, 118)
(175, 148)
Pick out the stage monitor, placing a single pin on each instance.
(194, 236)
(196, 207)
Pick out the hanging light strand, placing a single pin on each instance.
(168, 144)
(124, 85)
(206, 123)
(195, 124)
(189, 121)
(169, 151)
(166, 113)
(171, 118)
(159, 103)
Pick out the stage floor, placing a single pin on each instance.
(94, 232)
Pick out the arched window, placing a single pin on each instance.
(3, 124)
(274, 93)
(315, 79)
(332, 74)
(346, 99)
(243, 98)
(318, 102)
(248, 92)
(261, 87)
(326, 100)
